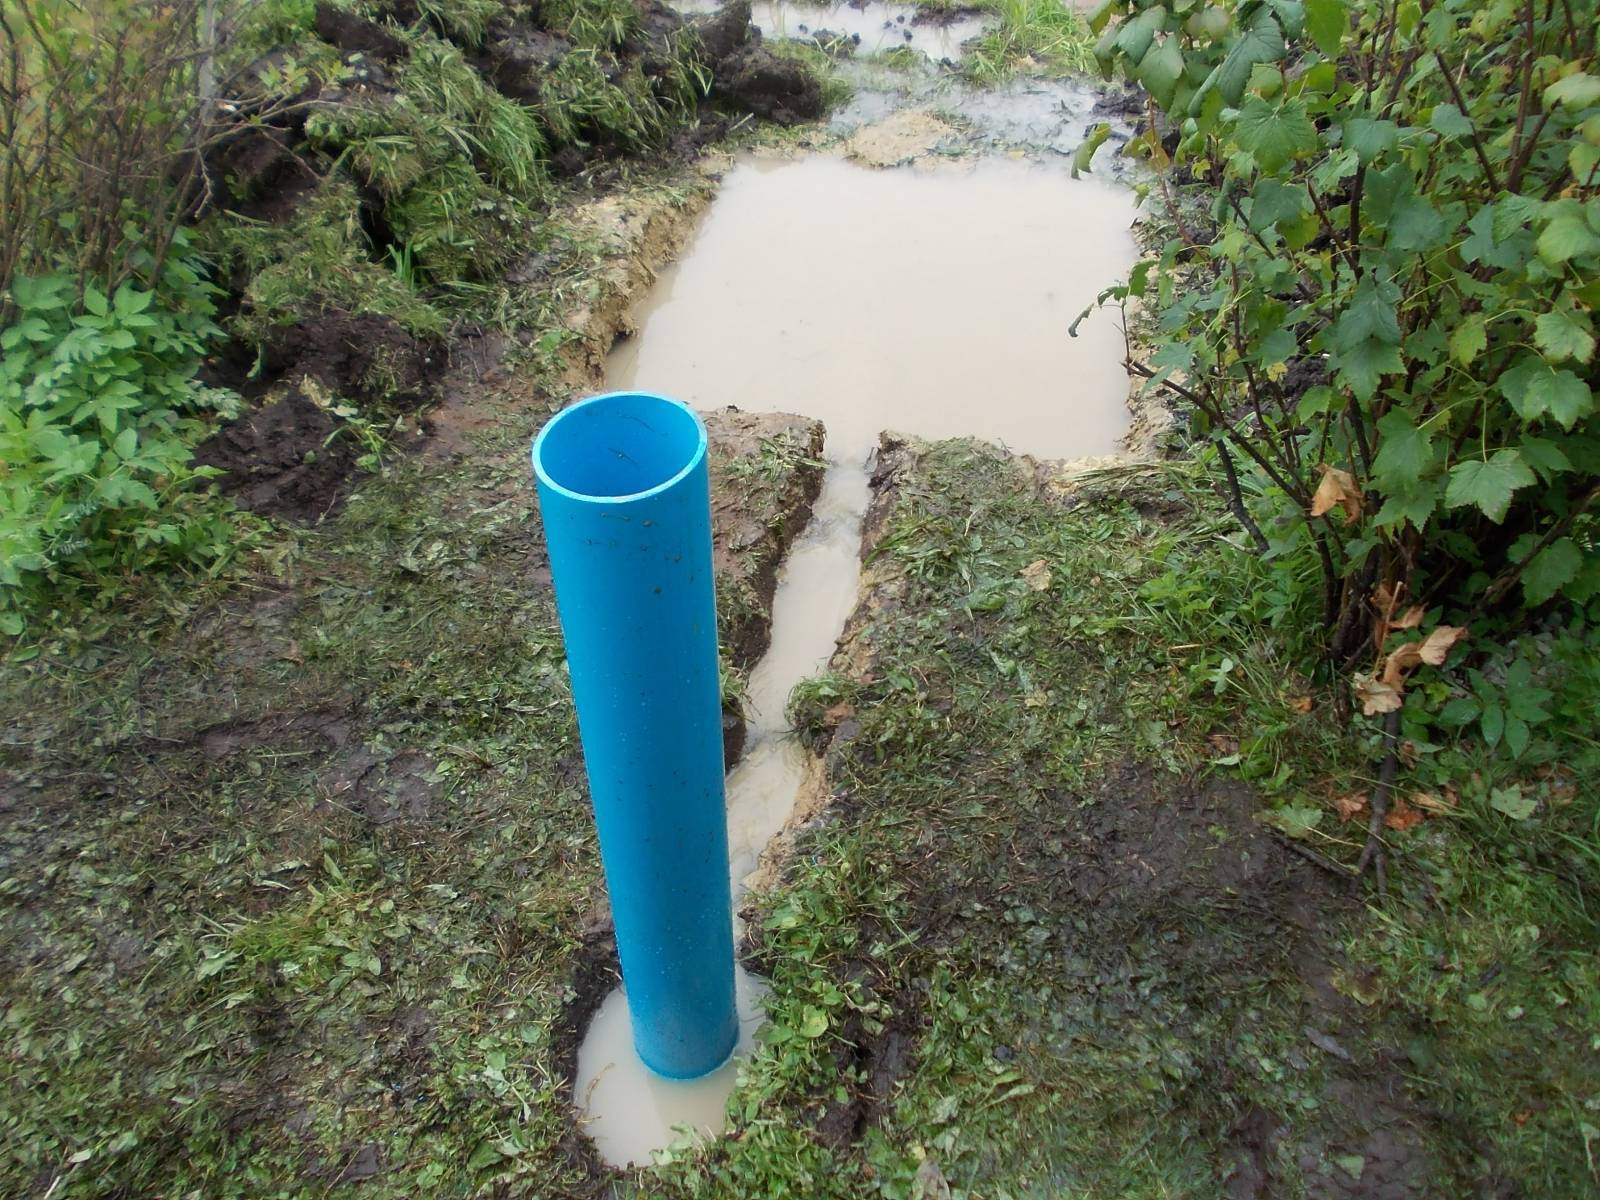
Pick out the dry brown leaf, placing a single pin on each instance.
(841, 711)
(1559, 784)
(1300, 704)
(1376, 696)
(1037, 575)
(1410, 619)
(1409, 754)
(1436, 646)
(1224, 744)
(1402, 816)
(1435, 804)
(294, 654)
(1350, 805)
(1337, 490)
(1388, 597)
(1399, 664)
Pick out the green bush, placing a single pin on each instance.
(1377, 304)
(99, 407)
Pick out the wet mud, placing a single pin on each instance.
(1140, 886)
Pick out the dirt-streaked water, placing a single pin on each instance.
(932, 302)
(877, 26)
(629, 1110)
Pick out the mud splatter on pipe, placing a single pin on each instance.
(625, 498)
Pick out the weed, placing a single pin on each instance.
(1047, 35)
(598, 25)
(321, 259)
(836, 89)
(98, 411)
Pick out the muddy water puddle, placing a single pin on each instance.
(934, 302)
(871, 27)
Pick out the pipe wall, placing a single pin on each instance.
(625, 498)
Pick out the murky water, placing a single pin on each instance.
(932, 302)
(878, 26)
(816, 591)
(629, 1110)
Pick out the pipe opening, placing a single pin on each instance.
(619, 446)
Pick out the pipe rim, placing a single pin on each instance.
(695, 459)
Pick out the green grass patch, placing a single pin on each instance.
(1048, 36)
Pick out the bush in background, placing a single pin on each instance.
(1377, 307)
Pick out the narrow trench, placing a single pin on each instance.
(624, 1108)
(935, 303)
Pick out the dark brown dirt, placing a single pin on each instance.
(282, 460)
(353, 34)
(753, 530)
(516, 59)
(289, 457)
(751, 78)
(366, 358)
(596, 973)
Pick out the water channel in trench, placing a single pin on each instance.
(929, 301)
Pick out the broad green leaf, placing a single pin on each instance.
(1363, 365)
(1160, 70)
(130, 300)
(1492, 723)
(1085, 152)
(1261, 42)
(1326, 23)
(1567, 237)
(1134, 36)
(1369, 138)
(1513, 802)
(1468, 339)
(94, 300)
(1488, 485)
(1551, 570)
(1294, 820)
(1414, 504)
(1583, 159)
(1577, 91)
(1103, 12)
(486, 1155)
(1448, 121)
(1272, 201)
(1544, 456)
(1564, 333)
(1536, 389)
(1370, 314)
(1405, 452)
(1414, 224)
(1275, 134)
(1291, 16)
(1486, 244)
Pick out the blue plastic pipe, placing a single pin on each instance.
(626, 502)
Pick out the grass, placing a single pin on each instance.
(1047, 36)
(299, 880)
(1135, 1032)
(282, 958)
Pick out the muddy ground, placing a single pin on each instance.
(299, 886)
(1145, 924)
